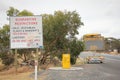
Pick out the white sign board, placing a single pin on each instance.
(26, 32)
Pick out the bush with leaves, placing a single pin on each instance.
(7, 58)
(76, 47)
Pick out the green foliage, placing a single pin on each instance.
(12, 11)
(4, 45)
(7, 58)
(75, 48)
(4, 36)
(56, 29)
(25, 13)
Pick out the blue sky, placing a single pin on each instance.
(98, 16)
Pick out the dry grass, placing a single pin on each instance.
(80, 61)
(23, 73)
(12, 70)
(1, 65)
(19, 76)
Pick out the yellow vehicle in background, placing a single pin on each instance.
(94, 42)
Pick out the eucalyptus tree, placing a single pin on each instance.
(58, 29)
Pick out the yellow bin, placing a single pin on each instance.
(66, 61)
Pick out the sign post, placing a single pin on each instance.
(36, 64)
(26, 32)
(16, 65)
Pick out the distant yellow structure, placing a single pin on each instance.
(93, 42)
